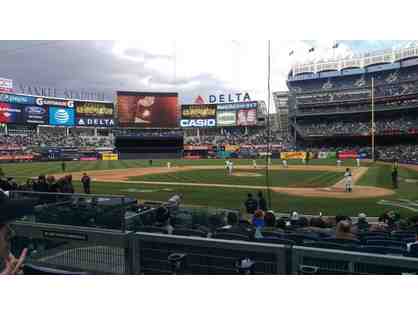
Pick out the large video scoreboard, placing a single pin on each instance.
(219, 115)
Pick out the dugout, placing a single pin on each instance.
(149, 147)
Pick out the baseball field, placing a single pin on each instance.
(309, 189)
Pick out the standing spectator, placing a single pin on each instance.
(262, 204)
(85, 180)
(70, 184)
(251, 204)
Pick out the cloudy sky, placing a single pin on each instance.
(191, 68)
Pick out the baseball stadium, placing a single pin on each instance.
(327, 184)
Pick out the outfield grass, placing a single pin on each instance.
(282, 178)
(378, 175)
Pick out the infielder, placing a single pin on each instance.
(284, 160)
(255, 164)
(339, 163)
(358, 162)
(348, 181)
(230, 167)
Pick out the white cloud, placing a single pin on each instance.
(224, 66)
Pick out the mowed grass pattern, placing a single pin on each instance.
(233, 198)
(282, 178)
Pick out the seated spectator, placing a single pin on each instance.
(269, 222)
(362, 225)
(343, 231)
(251, 204)
(258, 219)
(234, 225)
(163, 220)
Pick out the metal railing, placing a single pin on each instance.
(100, 251)
(96, 251)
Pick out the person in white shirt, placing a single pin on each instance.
(255, 164)
(169, 165)
(284, 163)
(348, 181)
(339, 163)
(230, 168)
(358, 162)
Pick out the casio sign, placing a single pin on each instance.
(198, 123)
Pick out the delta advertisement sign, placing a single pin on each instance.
(95, 114)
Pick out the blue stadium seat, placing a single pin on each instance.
(413, 252)
(274, 234)
(231, 236)
(152, 229)
(331, 246)
(300, 238)
(383, 250)
(343, 241)
(386, 243)
(190, 233)
(276, 240)
(401, 235)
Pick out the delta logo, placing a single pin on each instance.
(200, 100)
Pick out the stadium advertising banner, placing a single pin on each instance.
(61, 116)
(94, 114)
(247, 117)
(195, 116)
(10, 113)
(293, 155)
(34, 115)
(197, 147)
(347, 155)
(238, 106)
(226, 118)
(17, 99)
(6, 85)
(148, 110)
(55, 102)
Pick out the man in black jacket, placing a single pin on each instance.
(86, 183)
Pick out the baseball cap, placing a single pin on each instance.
(12, 209)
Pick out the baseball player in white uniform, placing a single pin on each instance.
(284, 163)
(358, 162)
(348, 177)
(230, 167)
(339, 163)
(254, 164)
